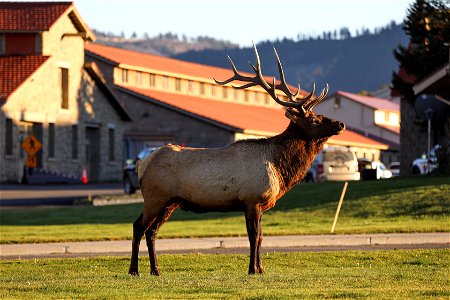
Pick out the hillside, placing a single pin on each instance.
(163, 44)
(353, 64)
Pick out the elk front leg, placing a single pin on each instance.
(150, 236)
(253, 223)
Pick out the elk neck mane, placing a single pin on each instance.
(292, 152)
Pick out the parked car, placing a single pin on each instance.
(130, 178)
(425, 164)
(373, 169)
(338, 164)
(394, 167)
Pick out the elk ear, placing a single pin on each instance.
(289, 114)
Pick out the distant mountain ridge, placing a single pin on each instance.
(353, 64)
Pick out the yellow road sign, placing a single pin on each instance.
(31, 145)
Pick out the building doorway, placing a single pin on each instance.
(92, 154)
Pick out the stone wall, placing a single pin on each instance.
(153, 120)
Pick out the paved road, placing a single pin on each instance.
(54, 194)
(233, 245)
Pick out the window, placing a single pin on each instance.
(74, 141)
(111, 144)
(267, 99)
(64, 78)
(165, 82)
(190, 86)
(257, 97)
(178, 84)
(152, 80)
(124, 75)
(213, 90)
(224, 92)
(2, 44)
(202, 88)
(38, 44)
(246, 96)
(138, 78)
(337, 102)
(9, 137)
(51, 140)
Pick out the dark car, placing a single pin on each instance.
(130, 177)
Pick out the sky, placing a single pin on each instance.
(239, 21)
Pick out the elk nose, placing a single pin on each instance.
(341, 126)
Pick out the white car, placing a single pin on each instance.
(394, 167)
(425, 164)
(339, 164)
(373, 169)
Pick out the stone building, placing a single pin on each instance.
(173, 101)
(48, 91)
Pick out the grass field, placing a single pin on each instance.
(395, 274)
(415, 204)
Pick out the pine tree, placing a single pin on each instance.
(428, 26)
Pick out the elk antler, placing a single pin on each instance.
(303, 104)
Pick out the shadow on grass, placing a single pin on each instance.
(304, 197)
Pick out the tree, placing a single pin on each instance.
(428, 26)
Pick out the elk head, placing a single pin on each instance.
(298, 108)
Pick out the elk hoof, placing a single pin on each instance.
(133, 271)
(154, 272)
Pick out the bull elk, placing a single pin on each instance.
(248, 175)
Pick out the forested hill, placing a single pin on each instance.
(353, 64)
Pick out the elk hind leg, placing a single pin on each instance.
(139, 228)
(150, 236)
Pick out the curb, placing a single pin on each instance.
(103, 247)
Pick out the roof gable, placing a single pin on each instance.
(372, 102)
(95, 73)
(39, 16)
(15, 70)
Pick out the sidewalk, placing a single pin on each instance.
(187, 244)
(54, 194)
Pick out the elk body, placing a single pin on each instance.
(248, 176)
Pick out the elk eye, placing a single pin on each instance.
(314, 121)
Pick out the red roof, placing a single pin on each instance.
(241, 117)
(373, 102)
(164, 64)
(14, 70)
(30, 16)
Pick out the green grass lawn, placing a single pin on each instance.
(414, 204)
(395, 274)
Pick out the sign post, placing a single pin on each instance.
(339, 206)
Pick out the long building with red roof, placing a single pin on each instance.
(179, 102)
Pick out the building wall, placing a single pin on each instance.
(355, 115)
(185, 85)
